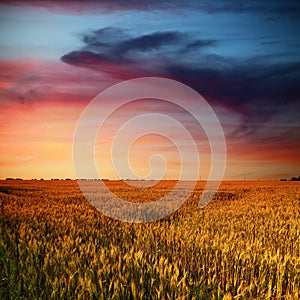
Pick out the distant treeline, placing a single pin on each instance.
(10, 178)
(292, 179)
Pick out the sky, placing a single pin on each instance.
(242, 57)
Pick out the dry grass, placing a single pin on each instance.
(244, 245)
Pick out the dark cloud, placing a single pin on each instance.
(103, 37)
(90, 59)
(115, 45)
(115, 66)
(256, 88)
(112, 51)
(148, 42)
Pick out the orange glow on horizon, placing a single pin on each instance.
(36, 132)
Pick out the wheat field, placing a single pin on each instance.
(244, 245)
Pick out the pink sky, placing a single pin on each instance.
(36, 135)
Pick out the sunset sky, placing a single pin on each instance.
(242, 57)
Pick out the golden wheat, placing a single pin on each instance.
(244, 245)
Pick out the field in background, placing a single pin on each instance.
(244, 245)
